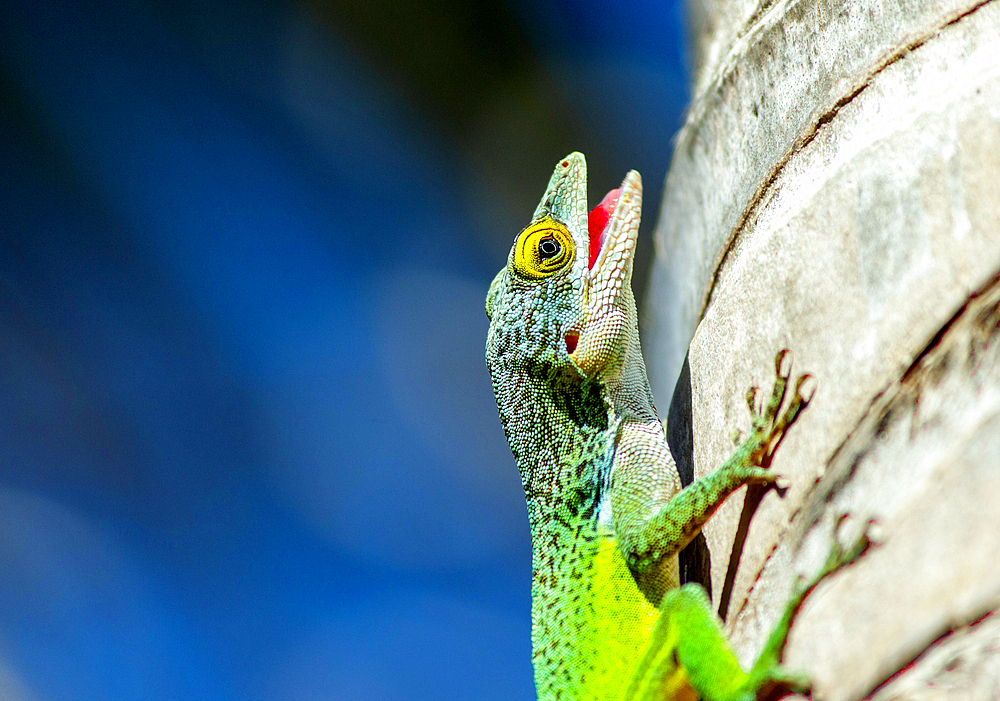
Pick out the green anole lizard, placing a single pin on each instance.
(606, 509)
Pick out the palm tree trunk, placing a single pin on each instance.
(836, 190)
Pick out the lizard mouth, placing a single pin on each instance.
(597, 224)
(597, 229)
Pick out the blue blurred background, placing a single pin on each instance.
(248, 447)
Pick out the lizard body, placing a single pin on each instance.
(605, 505)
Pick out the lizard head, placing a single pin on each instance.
(565, 294)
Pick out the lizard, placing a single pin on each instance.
(608, 516)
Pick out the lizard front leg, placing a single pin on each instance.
(652, 529)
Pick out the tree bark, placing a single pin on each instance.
(835, 190)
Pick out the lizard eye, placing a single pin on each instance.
(542, 249)
(548, 248)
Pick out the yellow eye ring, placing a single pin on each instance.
(542, 249)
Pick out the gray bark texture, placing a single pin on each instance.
(835, 190)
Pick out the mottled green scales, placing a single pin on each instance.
(607, 512)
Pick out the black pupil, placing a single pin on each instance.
(548, 248)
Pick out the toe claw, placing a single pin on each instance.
(782, 369)
(805, 388)
(783, 364)
(841, 556)
(752, 401)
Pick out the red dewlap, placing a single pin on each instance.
(598, 220)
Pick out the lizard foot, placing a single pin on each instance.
(840, 556)
(769, 423)
(781, 682)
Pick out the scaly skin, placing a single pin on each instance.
(605, 504)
